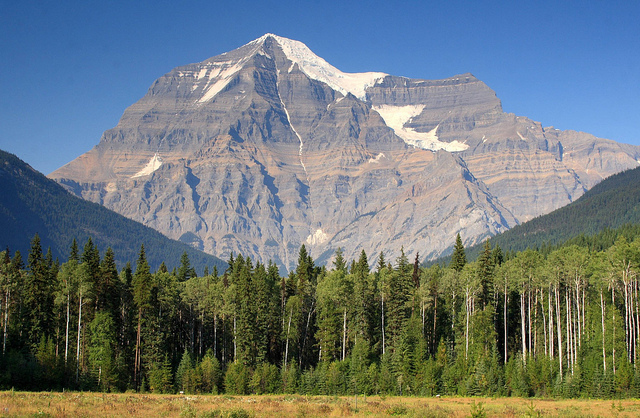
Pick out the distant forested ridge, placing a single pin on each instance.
(610, 204)
(32, 204)
(563, 322)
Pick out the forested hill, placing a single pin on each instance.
(32, 204)
(610, 204)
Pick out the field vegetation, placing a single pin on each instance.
(71, 404)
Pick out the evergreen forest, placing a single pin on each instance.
(562, 322)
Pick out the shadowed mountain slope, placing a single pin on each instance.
(32, 204)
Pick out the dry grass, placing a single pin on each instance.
(74, 404)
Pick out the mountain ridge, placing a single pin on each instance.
(30, 204)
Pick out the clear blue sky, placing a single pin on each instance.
(68, 69)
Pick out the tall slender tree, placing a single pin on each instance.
(459, 257)
(142, 284)
(38, 292)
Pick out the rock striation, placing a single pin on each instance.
(268, 147)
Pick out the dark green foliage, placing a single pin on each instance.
(188, 377)
(102, 343)
(237, 379)
(160, 377)
(400, 288)
(320, 332)
(265, 379)
(459, 257)
(486, 264)
(37, 291)
(211, 373)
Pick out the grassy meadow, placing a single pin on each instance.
(72, 404)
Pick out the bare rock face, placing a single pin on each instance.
(268, 147)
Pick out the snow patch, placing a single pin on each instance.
(111, 187)
(151, 166)
(377, 159)
(338, 100)
(202, 73)
(397, 116)
(318, 237)
(470, 219)
(219, 77)
(520, 135)
(318, 69)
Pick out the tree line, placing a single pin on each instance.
(563, 322)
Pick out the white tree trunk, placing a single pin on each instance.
(382, 317)
(505, 321)
(66, 337)
(559, 322)
(613, 335)
(522, 328)
(544, 322)
(6, 320)
(286, 349)
(78, 345)
(551, 350)
(604, 352)
(344, 334)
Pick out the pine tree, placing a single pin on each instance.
(38, 292)
(211, 373)
(306, 275)
(459, 257)
(107, 286)
(339, 263)
(74, 252)
(486, 267)
(185, 272)
(363, 300)
(142, 284)
(245, 319)
(400, 294)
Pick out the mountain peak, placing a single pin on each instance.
(319, 69)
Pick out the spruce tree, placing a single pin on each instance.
(339, 263)
(459, 257)
(107, 291)
(142, 284)
(185, 272)
(38, 292)
(74, 251)
(486, 267)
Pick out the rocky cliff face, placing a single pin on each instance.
(268, 147)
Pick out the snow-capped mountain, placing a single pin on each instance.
(268, 147)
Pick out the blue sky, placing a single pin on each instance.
(69, 69)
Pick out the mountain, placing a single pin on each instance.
(30, 204)
(268, 147)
